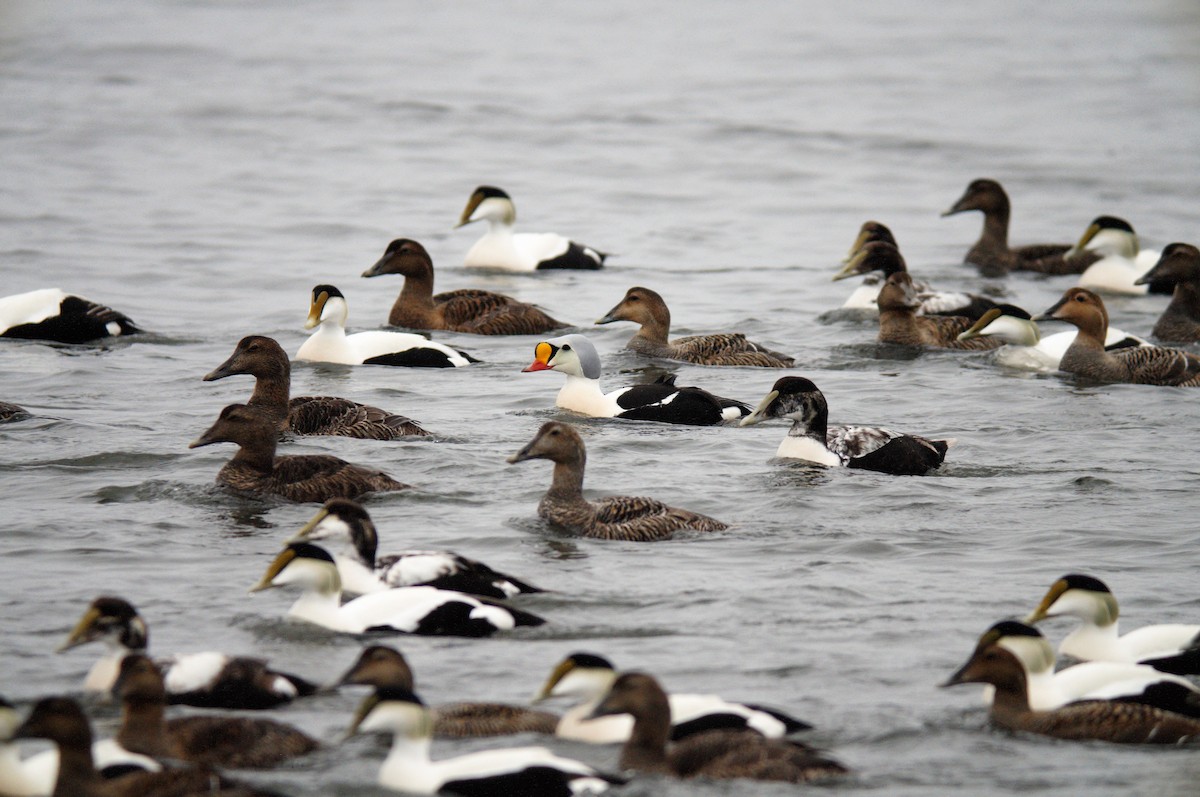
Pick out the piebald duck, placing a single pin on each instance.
(237, 742)
(718, 754)
(515, 770)
(308, 477)
(1090, 680)
(51, 314)
(62, 721)
(1087, 357)
(991, 253)
(1172, 648)
(1026, 348)
(1101, 720)
(208, 679)
(634, 519)
(1179, 266)
(645, 307)
(588, 677)
(576, 357)
(476, 311)
(362, 571)
(407, 610)
(901, 324)
(265, 360)
(383, 667)
(811, 437)
(331, 344)
(501, 248)
(1122, 261)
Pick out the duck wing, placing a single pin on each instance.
(878, 449)
(729, 348)
(447, 570)
(330, 415)
(464, 720)
(319, 477)
(644, 519)
(1051, 259)
(744, 754)
(1155, 365)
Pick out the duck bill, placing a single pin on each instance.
(82, 632)
(472, 203)
(522, 455)
(855, 249)
(315, 309)
(608, 317)
(375, 270)
(603, 709)
(760, 412)
(308, 527)
(961, 676)
(852, 262)
(542, 354)
(961, 206)
(274, 569)
(1150, 275)
(559, 673)
(205, 439)
(977, 328)
(364, 708)
(1052, 313)
(223, 370)
(1088, 235)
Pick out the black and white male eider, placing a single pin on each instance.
(363, 572)
(208, 679)
(501, 248)
(514, 770)
(630, 518)
(811, 437)
(51, 314)
(408, 610)
(331, 344)
(576, 357)
(588, 677)
(1170, 647)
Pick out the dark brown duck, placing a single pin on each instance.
(1179, 265)
(900, 323)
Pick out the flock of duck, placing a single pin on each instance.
(1129, 688)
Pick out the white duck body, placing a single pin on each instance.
(1027, 350)
(41, 770)
(1123, 262)
(502, 248)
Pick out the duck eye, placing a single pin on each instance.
(1079, 298)
(566, 347)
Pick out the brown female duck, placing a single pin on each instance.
(645, 307)
(1087, 357)
(265, 360)
(635, 519)
(900, 323)
(475, 311)
(256, 469)
(1179, 265)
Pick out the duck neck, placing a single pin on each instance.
(1185, 301)
(415, 302)
(581, 395)
(816, 428)
(77, 776)
(898, 325)
(1092, 642)
(1011, 704)
(271, 393)
(647, 745)
(995, 229)
(257, 453)
(318, 605)
(407, 761)
(655, 329)
(144, 727)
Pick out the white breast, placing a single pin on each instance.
(808, 449)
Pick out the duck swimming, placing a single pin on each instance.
(1087, 357)
(1178, 267)
(576, 357)
(645, 307)
(407, 610)
(717, 754)
(268, 363)
(501, 248)
(900, 324)
(331, 344)
(11, 412)
(1122, 261)
(362, 572)
(308, 477)
(209, 679)
(811, 437)
(611, 518)
(51, 314)
(1026, 348)
(474, 311)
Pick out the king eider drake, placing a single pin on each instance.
(1087, 357)
(265, 360)
(475, 311)
(576, 357)
(811, 437)
(50, 314)
(362, 571)
(991, 253)
(331, 344)
(307, 477)
(1172, 648)
(238, 742)
(1089, 680)
(208, 679)
(876, 251)
(645, 307)
(501, 248)
(1101, 720)
(611, 518)
(1026, 348)
(711, 754)
(1179, 266)
(407, 610)
(515, 770)
(1122, 263)
(386, 668)
(588, 677)
(901, 324)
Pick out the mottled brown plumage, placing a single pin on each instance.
(718, 754)
(475, 311)
(256, 469)
(1103, 720)
(11, 412)
(238, 742)
(634, 519)
(644, 306)
(265, 359)
(1179, 265)
(991, 253)
(900, 324)
(1087, 357)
